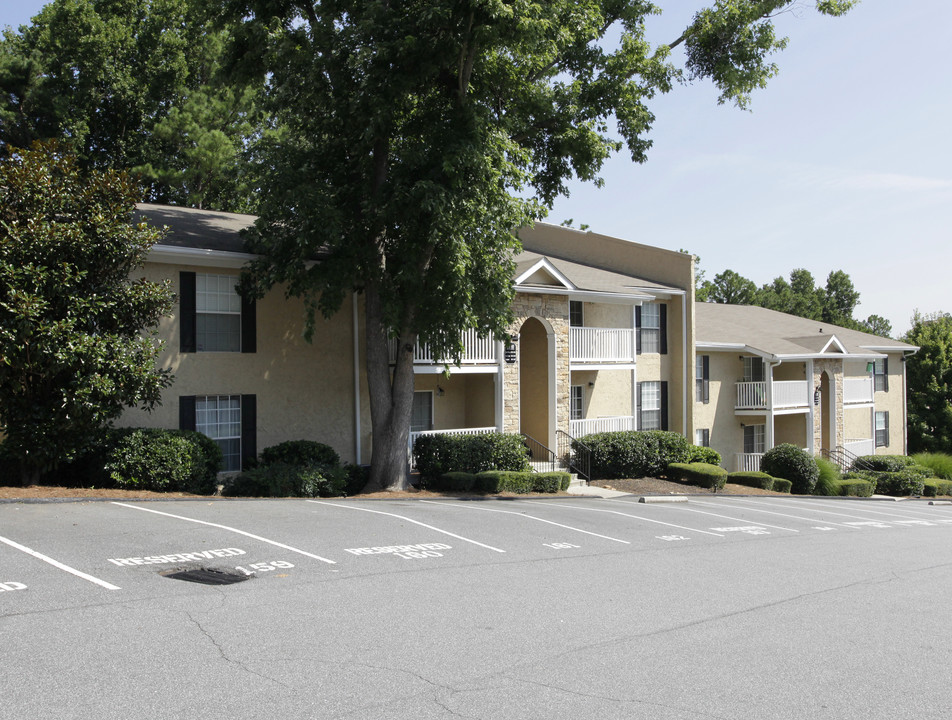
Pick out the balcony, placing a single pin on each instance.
(601, 345)
(857, 390)
(860, 447)
(476, 351)
(580, 428)
(786, 394)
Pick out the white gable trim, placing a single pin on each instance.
(174, 255)
(544, 264)
(834, 341)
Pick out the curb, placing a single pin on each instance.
(662, 498)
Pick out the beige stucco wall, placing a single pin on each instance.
(790, 371)
(304, 391)
(607, 315)
(718, 416)
(792, 428)
(610, 396)
(893, 402)
(859, 423)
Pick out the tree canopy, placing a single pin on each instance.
(74, 343)
(929, 377)
(134, 85)
(834, 303)
(413, 139)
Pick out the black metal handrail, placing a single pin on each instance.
(539, 454)
(574, 455)
(845, 459)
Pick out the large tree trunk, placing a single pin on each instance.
(391, 400)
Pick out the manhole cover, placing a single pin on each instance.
(206, 576)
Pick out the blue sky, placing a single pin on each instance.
(844, 161)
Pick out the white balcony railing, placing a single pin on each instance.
(858, 389)
(579, 428)
(786, 394)
(590, 344)
(748, 462)
(475, 350)
(453, 431)
(860, 447)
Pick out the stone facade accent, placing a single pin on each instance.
(553, 311)
(834, 368)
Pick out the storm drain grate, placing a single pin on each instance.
(206, 576)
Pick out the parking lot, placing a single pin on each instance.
(723, 606)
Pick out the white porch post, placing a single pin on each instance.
(811, 445)
(634, 372)
(769, 429)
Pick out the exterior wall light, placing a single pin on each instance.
(510, 352)
(816, 395)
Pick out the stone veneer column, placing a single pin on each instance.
(834, 368)
(554, 309)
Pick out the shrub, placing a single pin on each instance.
(882, 463)
(752, 479)
(908, 481)
(939, 463)
(933, 487)
(146, 460)
(855, 486)
(283, 480)
(702, 474)
(300, 453)
(697, 453)
(828, 478)
(438, 454)
(794, 464)
(550, 482)
(782, 485)
(357, 478)
(635, 453)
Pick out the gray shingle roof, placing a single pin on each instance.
(777, 333)
(592, 279)
(204, 229)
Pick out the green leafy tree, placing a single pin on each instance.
(415, 138)
(877, 325)
(929, 383)
(74, 345)
(728, 287)
(132, 84)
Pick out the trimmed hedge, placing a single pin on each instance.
(439, 454)
(908, 481)
(635, 453)
(702, 474)
(752, 478)
(882, 463)
(497, 481)
(855, 487)
(283, 480)
(782, 485)
(698, 453)
(155, 459)
(933, 487)
(300, 452)
(794, 464)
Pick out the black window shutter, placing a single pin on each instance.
(638, 423)
(886, 423)
(187, 312)
(638, 333)
(706, 377)
(186, 412)
(664, 404)
(249, 326)
(249, 429)
(886, 377)
(663, 314)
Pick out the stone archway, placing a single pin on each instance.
(534, 381)
(827, 412)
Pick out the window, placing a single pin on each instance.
(882, 429)
(214, 318)
(576, 317)
(649, 413)
(702, 381)
(422, 414)
(702, 437)
(650, 332)
(229, 420)
(754, 438)
(881, 375)
(753, 369)
(575, 410)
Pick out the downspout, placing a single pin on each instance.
(770, 403)
(357, 448)
(687, 386)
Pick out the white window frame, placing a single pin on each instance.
(218, 430)
(879, 375)
(881, 427)
(702, 437)
(577, 403)
(222, 299)
(750, 362)
(759, 434)
(650, 328)
(420, 394)
(650, 414)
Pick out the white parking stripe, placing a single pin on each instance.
(637, 517)
(57, 564)
(825, 512)
(231, 529)
(788, 515)
(894, 512)
(410, 520)
(530, 517)
(727, 517)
